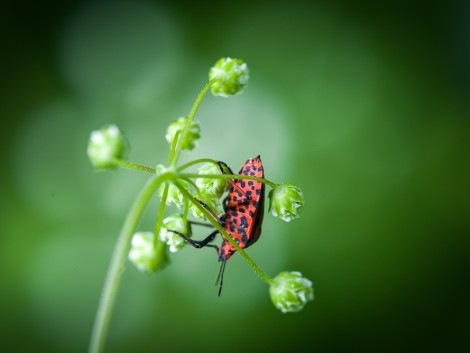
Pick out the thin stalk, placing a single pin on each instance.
(196, 161)
(116, 266)
(191, 116)
(171, 156)
(160, 214)
(131, 165)
(228, 176)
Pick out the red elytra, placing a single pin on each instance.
(244, 211)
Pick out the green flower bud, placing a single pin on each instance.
(290, 291)
(174, 194)
(232, 76)
(105, 146)
(177, 223)
(143, 254)
(285, 202)
(189, 140)
(211, 201)
(213, 186)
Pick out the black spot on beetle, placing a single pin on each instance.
(241, 231)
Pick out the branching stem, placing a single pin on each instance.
(116, 266)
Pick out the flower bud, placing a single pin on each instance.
(174, 194)
(178, 224)
(105, 146)
(290, 291)
(231, 75)
(213, 186)
(285, 202)
(144, 255)
(189, 140)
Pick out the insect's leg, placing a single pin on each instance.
(224, 168)
(205, 242)
(199, 243)
(201, 224)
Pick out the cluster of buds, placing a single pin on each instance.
(285, 202)
(290, 291)
(230, 76)
(107, 148)
(192, 135)
(144, 255)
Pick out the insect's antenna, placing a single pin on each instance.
(220, 277)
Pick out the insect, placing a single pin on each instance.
(243, 217)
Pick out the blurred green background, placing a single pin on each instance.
(364, 105)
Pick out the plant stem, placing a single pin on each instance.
(131, 165)
(196, 161)
(160, 214)
(116, 266)
(191, 115)
(225, 235)
(171, 156)
(228, 176)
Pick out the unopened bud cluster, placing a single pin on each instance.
(172, 225)
(142, 253)
(176, 128)
(107, 147)
(231, 77)
(286, 200)
(290, 291)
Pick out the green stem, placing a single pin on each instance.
(131, 165)
(225, 235)
(196, 161)
(171, 156)
(116, 266)
(160, 214)
(191, 115)
(228, 176)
